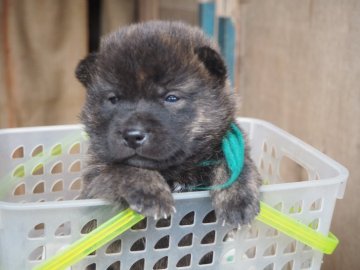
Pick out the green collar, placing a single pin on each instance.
(233, 147)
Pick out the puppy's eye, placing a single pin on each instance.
(171, 98)
(113, 99)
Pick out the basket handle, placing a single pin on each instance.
(92, 241)
(127, 218)
(297, 230)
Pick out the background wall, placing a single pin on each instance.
(300, 69)
(41, 43)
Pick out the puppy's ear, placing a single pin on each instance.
(85, 69)
(212, 61)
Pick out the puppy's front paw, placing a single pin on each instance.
(239, 204)
(156, 204)
(236, 208)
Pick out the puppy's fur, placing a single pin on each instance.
(157, 105)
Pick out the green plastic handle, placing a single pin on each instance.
(92, 241)
(297, 230)
(127, 218)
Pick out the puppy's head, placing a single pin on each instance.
(156, 95)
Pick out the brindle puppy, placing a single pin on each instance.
(157, 105)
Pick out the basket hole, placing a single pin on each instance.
(92, 254)
(270, 251)
(60, 199)
(163, 223)
(229, 256)
(270, 266)
(316, 205)
(37, 254)
(288, 266)
(188, 219)
(270, 170)
(279, 206)
(207, 258)
(314, 224)
(291, 171)
(186, 240)
(140, 225)
(161, 264)
(139, 245)
(75, 166)
(271, 232)
(262, 165)
(19, 172)
(252, 233)
(57, 168)
(38, 231)
(56, 150)
(58, 186)
(114, 247)
(91, 267)
(250, 253)
(64, 229)
(265, 147)
(210, 217)
(273, 153)
(306, 264)
(18, 153)
(76, 184)
(39, 188)
(38, 169)
(307, 248)
(184, 261)
(296, 207)
(230, 236)
(290, 248)
(19, 190)
(114, 266)
(89, 226)
(163, 243)
(209, 238)
(139, 265)
(38, 151)
(74, 149)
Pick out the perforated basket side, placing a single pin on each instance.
(40, 229)
(41, 164)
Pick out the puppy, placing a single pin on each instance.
(157, 106)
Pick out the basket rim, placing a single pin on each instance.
(339, 179)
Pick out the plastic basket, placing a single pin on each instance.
(40, 172)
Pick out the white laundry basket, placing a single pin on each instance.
(40, 172)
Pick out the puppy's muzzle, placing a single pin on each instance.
(135, 138)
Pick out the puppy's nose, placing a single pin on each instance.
(135, 138)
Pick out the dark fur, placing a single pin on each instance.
(140, 66)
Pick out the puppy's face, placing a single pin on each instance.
(155, 95)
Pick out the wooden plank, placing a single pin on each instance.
(300, 69)
(207, 17)
(147, 10)
(226, 40)
(43, 49)
(115, 14)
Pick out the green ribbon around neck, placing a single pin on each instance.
(233, 147)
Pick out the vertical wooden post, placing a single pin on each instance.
(147, 10)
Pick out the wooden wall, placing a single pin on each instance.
(41, 43)
(299, 68)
